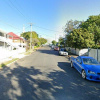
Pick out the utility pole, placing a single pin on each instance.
(31, 37)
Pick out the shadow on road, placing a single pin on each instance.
(78, 87)
(50, 52)
(23, 83)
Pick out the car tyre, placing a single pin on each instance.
(83, 74)
(71, 65)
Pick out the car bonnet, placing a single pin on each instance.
(95, 68)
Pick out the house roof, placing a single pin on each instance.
(15, 37)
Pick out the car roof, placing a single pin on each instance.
(86, 57)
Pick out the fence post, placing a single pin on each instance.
(97, 54)
(88, 51)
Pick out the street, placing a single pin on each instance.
(44, 75)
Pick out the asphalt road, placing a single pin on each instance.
(45, 76)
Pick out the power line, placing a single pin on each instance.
(9, 25)
(29, 19)
(47, 29)
(17, 9)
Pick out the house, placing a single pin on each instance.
(4, 41)
(9, 46)
(17, 40)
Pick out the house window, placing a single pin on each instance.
(1, 34)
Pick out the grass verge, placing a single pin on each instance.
(28, 52)
(8, 62)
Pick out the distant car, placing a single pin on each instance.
(63, 51)
(52, 46)
(56, 48)
(88, 67)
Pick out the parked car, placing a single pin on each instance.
(88, 67)
(52, 46)
(56, 48)
(63, 51)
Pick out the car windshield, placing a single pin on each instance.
(63, 50)
(90, 61)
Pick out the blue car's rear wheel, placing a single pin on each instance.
(83, 74)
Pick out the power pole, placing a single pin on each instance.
(31, 37)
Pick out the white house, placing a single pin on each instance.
(7, 47)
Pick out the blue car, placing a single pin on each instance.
(88, 67)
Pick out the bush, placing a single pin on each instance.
(97, 46)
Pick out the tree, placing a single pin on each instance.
(80, 38)
(35, 42)
(26, 35)
(83, 34)
(62, 41)
(70, 25)
(92, 24)
(42, 40)
(54, 42)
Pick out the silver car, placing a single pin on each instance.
(63, 51)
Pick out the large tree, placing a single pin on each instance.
(92, 24)
(61, 41)
(87, 34)
(34, 37)
(42, 40)
(27, 35)
(54, 42)
(70, 25)
(80, 38)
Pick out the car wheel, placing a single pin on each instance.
(83, 74)
(71, 65)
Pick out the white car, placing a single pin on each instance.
(63, 51)
(52, 46)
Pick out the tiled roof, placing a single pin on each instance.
(15, 37)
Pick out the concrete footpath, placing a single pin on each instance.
(9, 55)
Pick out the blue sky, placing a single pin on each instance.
(48, 16)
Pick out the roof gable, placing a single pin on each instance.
(15, 37)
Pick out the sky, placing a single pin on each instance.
(48, 17)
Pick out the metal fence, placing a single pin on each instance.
(95, 53)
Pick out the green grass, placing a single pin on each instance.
(8, 62)
(28, 52)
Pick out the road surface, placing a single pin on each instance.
(45, 76)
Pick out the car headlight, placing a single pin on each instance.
(91, 72)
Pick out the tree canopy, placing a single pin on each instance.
(70, 25)
(61, 41)
(42, 40)
(54, 42)
(27, 35)
(35, 39)
(84, 34)
(80, 38)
